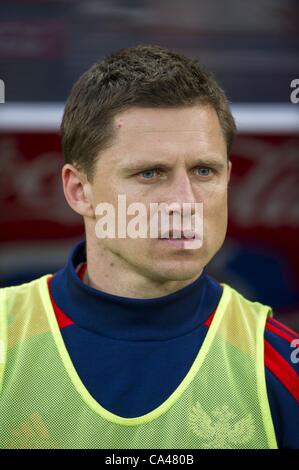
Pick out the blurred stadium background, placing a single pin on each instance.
(252, 47)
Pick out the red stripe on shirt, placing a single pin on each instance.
(278, 332)
(284, 328)
(62, 319)
(210, 318)
(82, 270)
(282, 370)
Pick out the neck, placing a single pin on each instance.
(109, 273)
(126, 318)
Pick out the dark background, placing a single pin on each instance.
(253, 49)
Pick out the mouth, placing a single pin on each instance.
(181, 239)
(178, 236)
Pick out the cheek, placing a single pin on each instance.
(215, 199)
(129, 248)
(104, 188)
(215, 211)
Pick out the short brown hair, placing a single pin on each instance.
(144, 76)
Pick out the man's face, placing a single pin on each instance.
(165, 156)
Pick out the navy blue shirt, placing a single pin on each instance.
(131, 354)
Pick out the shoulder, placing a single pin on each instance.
(24, 287)
(241, 304)
(281, 344)
(15, 298)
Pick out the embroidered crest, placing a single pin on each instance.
(221, 430)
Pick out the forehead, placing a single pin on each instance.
(152, 120)
(166, 132)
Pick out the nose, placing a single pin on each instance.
(181, 192)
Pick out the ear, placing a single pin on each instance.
(77, 191)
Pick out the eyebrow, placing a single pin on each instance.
(149, 164)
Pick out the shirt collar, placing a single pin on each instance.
(128, 318)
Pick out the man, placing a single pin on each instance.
(132, 344)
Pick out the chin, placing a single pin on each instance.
(182, 271)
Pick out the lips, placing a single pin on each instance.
(178, 234)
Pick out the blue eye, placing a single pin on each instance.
(147, 174)
(204, 171)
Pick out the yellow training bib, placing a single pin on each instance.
(221, 403)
